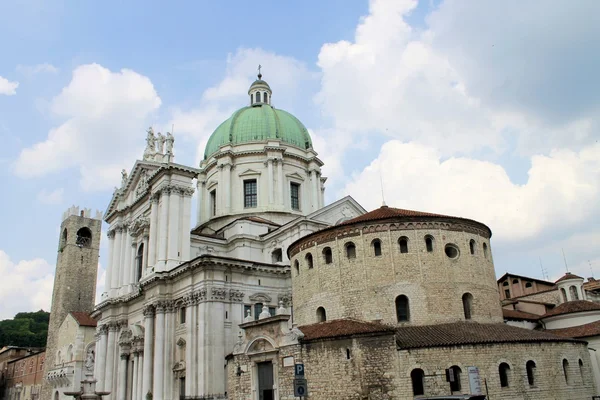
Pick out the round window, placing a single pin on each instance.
(451, 251)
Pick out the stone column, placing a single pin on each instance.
(199, 205)
(153, 228)
(145, 264)
(270, 181)
(116, 261)
(314, 176)
(163, 231)
(322, 204)
(127, 265)
(281, 196)
(189, 340)
(148, 350)
(134, 379)
(140, 377)
(201, 350)
(159, 353)
(185, 224)
(122, 385)
(109, 266)
(169, 344)
(100, 365)
(227, 187)
(173, 229)
(110, 359)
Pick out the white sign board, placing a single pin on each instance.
(474, 380)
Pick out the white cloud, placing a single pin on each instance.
(561, 191)
(7, 87)
(474, 76)
(31, 70)
(103, 113)
(54, 197)
(25, 285)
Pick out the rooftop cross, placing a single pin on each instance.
(259, 74)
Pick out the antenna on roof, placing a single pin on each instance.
(565, 258)
(591, 270)
(544, 272)
(381, 182)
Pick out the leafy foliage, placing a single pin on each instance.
(26, 329)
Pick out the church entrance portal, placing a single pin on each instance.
(265, 380)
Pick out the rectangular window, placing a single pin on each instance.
(295, 195)
(257, 310)
(250, 194)
(182, 315)
(247, 308)
(213, 203)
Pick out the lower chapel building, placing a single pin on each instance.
(387, 304)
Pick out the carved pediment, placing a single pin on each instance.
(260, 298)
(340, 211)
(260, 346)
(295, 175)
(249, 171)
(210, 184)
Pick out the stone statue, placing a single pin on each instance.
(150, 145)
(161, 143)
(170, 140)
(89, 361)
(123, 177)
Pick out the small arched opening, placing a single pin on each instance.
(139, 261)
(573, 293)
(563, 293)
(472, 246)
(309, 260)
(581, 370)
(402, 308)
(485, 250)
(565, 366)
(258, 97)
(503, 371)
(429, 243)
(467, 300)
(321, 315)
(455, 373)
(403, 243)
(84, 237)
(327, 255)
(297, 267)
(376, 243)
(350, 250)
(530, 368)
(63, 238)
(417, 377)
(277, 256)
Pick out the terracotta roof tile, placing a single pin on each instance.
(463, 333)
(591, 329)
(343, 327)
(84, 319)
(568, 275)
(591, 285)
(519, 315)
(572, 307)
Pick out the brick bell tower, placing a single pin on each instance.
(75, 277)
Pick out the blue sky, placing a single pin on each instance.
(481, 110)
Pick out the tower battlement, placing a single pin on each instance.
(84, 212)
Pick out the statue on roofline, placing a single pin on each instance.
(150, 145)
(161, 143)
(170, 140)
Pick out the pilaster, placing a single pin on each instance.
(148, 351)
(159, 353)
(173, 231)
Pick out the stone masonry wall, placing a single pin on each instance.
(549, 383)
(366, 287)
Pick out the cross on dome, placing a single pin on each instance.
(260, 91)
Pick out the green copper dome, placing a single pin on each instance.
(257, 123)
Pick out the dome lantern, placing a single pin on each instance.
(260, 92)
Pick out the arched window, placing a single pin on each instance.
(467, 300)
(573, 293)
(321, 315)
(429, 243)
(503, 371)
(297, 267)
(56, 395)
(505, 283)
(455, 378)
(350, 250)
(403, 243)
(515, 281)
(565, 365)
(276, 256)
(417, 376)
(528, 285)
(402, 308)
(70, 353)
(581, 370)
(472, 246)
(563, 292)
(252, 98)
(376, 243)
(530, 367)
(266, 97)
(139, 261)
(309, 260)
(258, 97)
(84, 237)
(327, 256)
(485, 250)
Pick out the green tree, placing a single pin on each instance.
(26, 329)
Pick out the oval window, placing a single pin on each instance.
(451, 251)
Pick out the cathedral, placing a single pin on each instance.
(270, 294)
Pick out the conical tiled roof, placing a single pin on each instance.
(572, 307)
(568, 275)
